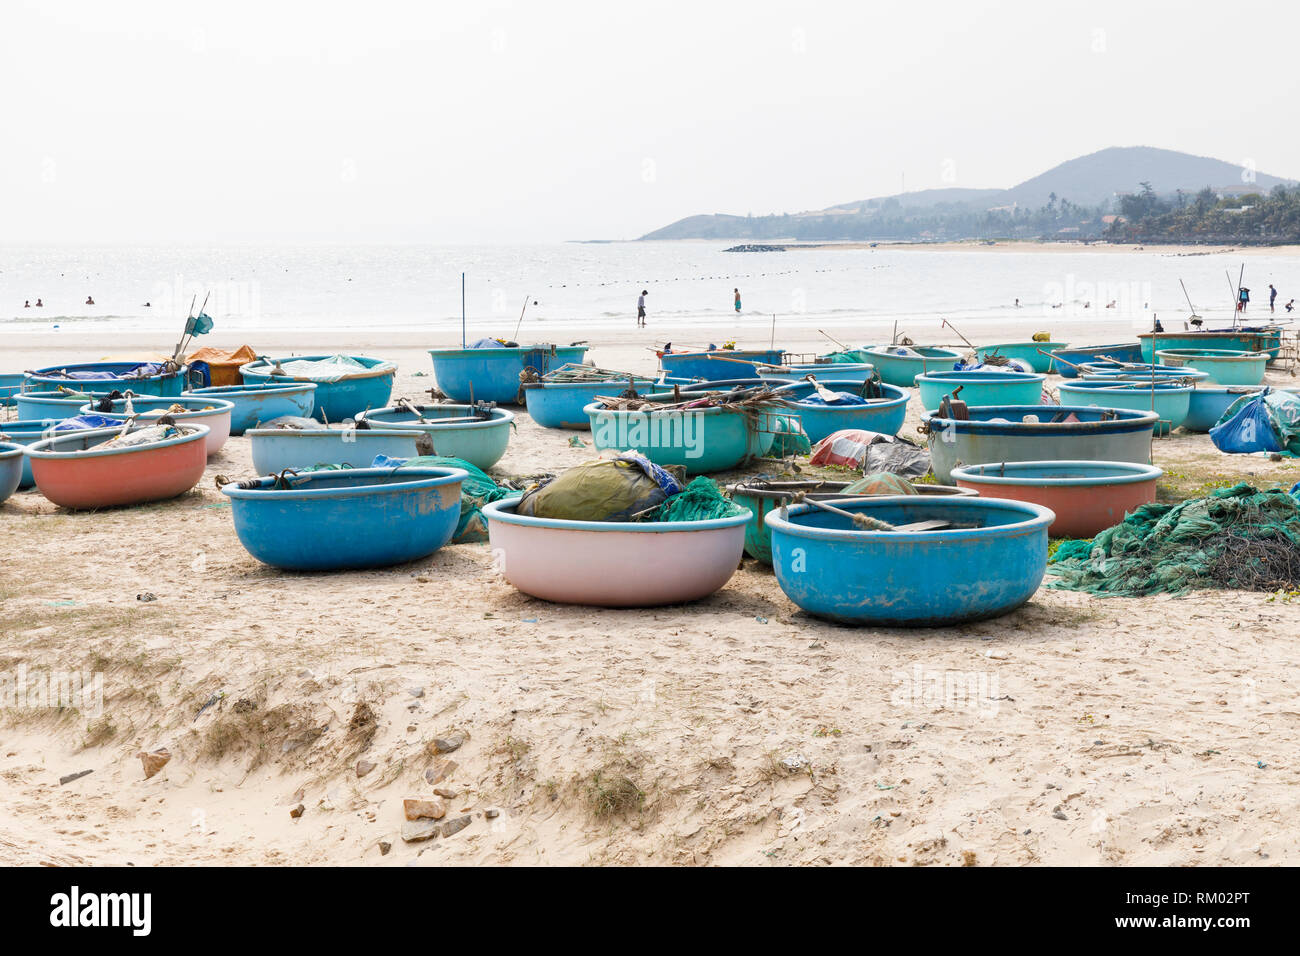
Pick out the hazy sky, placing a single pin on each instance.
(538, 120)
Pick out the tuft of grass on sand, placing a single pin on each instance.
(610, 793)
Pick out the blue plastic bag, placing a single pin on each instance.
(1249, 429)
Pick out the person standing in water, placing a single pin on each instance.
(1272, 296)
(640, 309)
(737, 300)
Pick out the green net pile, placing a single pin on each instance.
(700, 501)
(1237, 537)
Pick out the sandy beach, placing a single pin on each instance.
(737, 730)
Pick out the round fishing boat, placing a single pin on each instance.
(26, 433)
(901, 364)
(455, 430)
(11, 467)
(213, 412)
(11, 383)
(1031, 353)
(987, 559)
(840, 371)
(49, 406)
(72, 470)
(702, 440)
(1206, 405)
(719, 363)
(342, 391)
(1265, 339)
(1141, 373)
(981, 387)
(275, 449)
(1087, 497)
(1037, 433)
(615, 563)
(254, 404)
(358, 518)
(718, 384)
(1223, 366)
(884, 415)
(561, 404)
(492, 374)
(1071, 358)
(104, 377)
(761, 496)
(1169, 400)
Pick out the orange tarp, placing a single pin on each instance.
(224, 364)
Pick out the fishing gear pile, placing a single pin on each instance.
(1237, 537)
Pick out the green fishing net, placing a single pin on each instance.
(700, 501)
(1237, 537)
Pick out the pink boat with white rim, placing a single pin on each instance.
(614, 563)
(72, 470)
(1087, 496)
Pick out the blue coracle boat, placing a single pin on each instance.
(11, 383)
(109, 376)
(492, 374)
(340, 394)
(262, 402)
(988, 561)
(1082, 354)
(717, 364)
(336, 520)
(11, 468)
(561, 404)
(884, 415)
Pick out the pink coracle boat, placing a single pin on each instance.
(1087, 496)
(71, 469)
(614, 563)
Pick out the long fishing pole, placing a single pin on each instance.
(959, 335)
(521, 317)
(835, 340)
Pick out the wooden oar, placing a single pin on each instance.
(1057, 358)
(867, 523)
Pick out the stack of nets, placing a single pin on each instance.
(700, 501)
(1236, 538)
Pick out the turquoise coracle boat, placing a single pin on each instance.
(1029, 352)
(1267, 339)
(1169, 400)
(702, 440)
(901, 364)
(1224, 366)
(981, 387)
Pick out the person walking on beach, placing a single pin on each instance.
(1272, 296)
(640, 309)
(737, 300)
(1243, 298)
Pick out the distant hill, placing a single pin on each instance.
(1070, 198)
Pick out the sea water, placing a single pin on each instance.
(403, 287)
